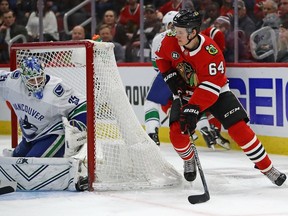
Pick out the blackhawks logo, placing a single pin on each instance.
(187, 73)
(212, 50)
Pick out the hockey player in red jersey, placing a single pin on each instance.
(190, 61)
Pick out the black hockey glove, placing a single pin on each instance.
(175, 82)
(188, 118)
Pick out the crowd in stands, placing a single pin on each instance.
(262, 25)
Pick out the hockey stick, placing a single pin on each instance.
(7, 187)
(164, 120)
(194, 199)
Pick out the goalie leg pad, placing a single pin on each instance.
(38, 174)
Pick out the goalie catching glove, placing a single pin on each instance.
(75, 137)
(175, 82)
(189, 118)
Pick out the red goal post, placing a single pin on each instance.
(120, 155)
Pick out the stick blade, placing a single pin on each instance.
(195, 199)
(6, 189)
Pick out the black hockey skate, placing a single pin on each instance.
(155, 137)
(82, 183)
(219, 139)
(208, 137)
(190, 170)
(276, 176)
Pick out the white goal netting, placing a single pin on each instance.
(126, 157)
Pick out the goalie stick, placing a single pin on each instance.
(7, 187)
(200, 198)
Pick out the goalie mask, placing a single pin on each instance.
(33, 76)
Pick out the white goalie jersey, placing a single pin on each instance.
(39, 118)
(155, 46)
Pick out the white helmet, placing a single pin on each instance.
(168, 18)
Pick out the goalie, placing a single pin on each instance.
(40, 102)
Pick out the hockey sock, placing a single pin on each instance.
(213, 121)
(243, 135)
(152, 117)
(180, 142)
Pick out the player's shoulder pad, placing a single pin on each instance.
(171, 33)
(211, 49)
(58, 90)
(209, 45)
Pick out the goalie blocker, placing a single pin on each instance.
(42, 174)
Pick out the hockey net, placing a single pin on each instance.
(120, 155)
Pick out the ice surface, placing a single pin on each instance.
(236, 189)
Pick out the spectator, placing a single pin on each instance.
(283, 43)
(283, 10)
(267, 7)
(218, 31)
(172, 5)
(4, 7)
(50, 26)
(223, 24)
(249, 4)
(8, 30)
(258, 10)
(130, 16)
(118, 30)
(227, 8)
(102, 6)
(246, 27)
(263, 44)
(152, 26)
(211, 14)
(78, 33)
(105, 34)
(23, 10)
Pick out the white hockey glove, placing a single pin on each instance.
(74, 137)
